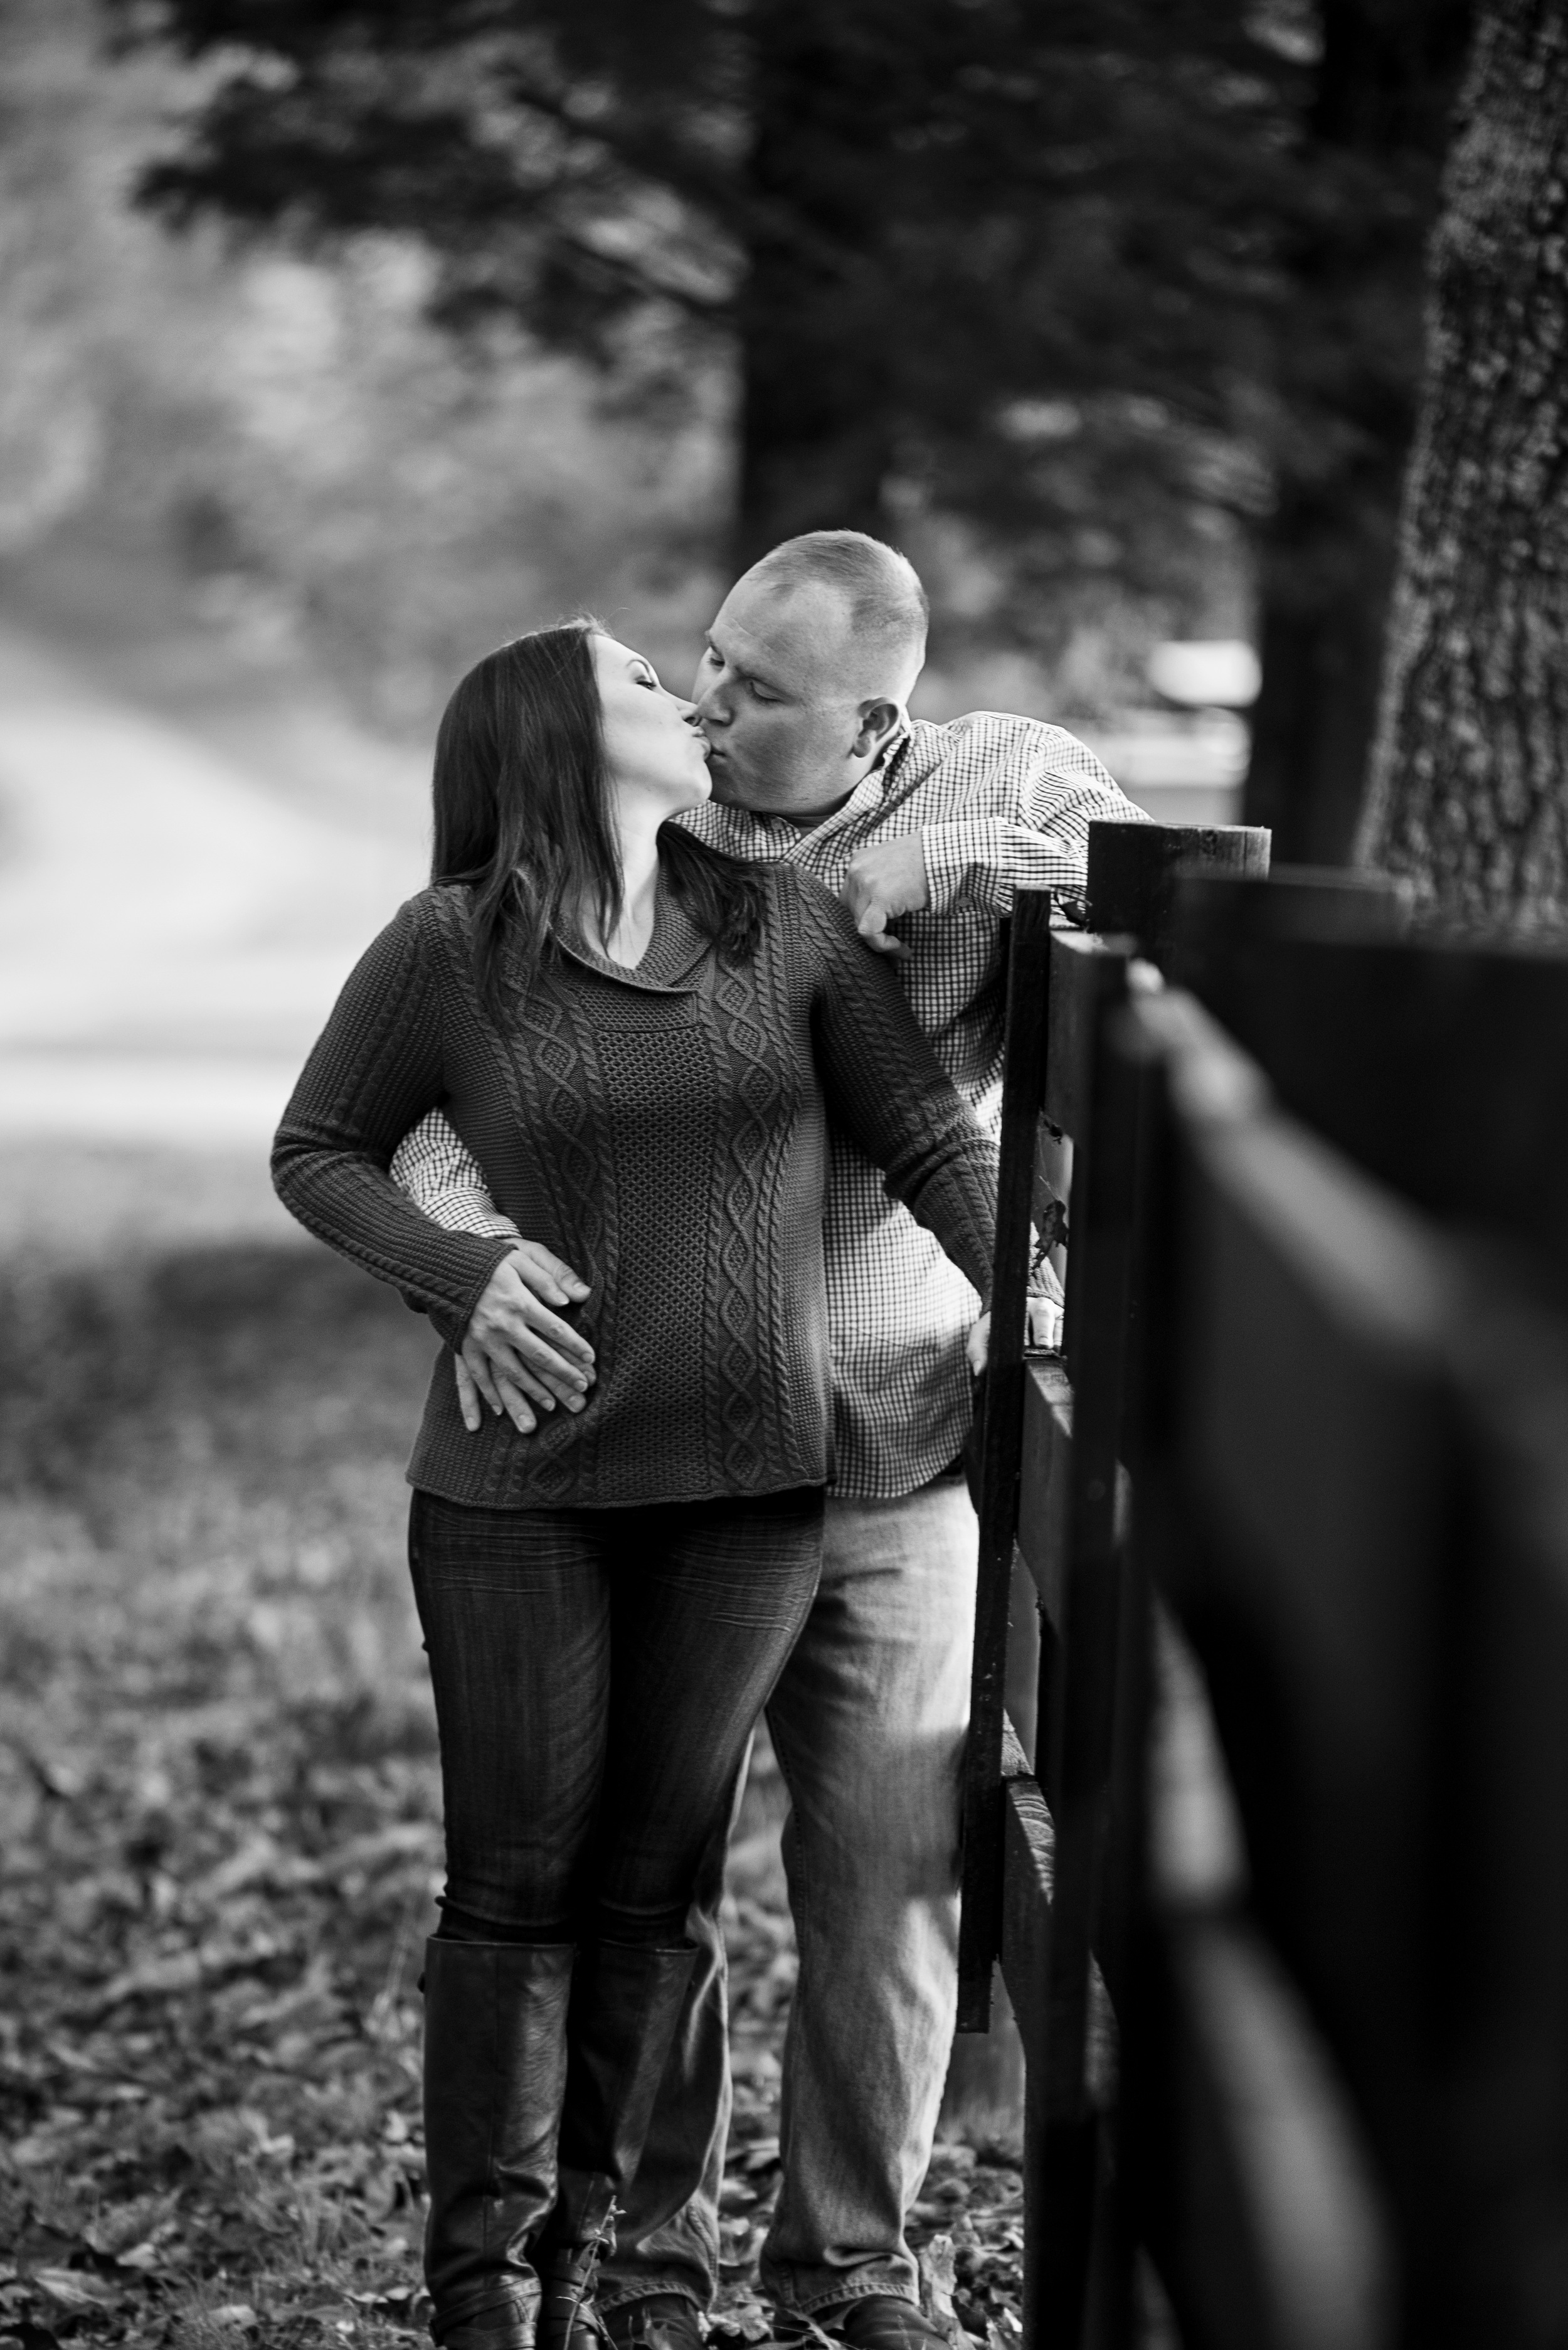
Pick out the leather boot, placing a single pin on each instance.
(626, 2004)
(496, 2073)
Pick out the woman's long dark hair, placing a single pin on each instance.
(524, 815)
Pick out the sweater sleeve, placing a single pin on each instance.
(376, 1069)
(889, 1094)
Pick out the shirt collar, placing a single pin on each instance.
(869, 792)
(893, 750)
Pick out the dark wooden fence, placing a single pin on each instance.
(1283, 1904)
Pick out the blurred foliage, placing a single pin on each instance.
(1107, 311)
(295, 438)
(894, 224)
(1076, 301)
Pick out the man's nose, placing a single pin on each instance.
(711, 703)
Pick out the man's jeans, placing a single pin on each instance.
(867, 1722)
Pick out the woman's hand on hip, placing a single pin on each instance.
(517, 1354)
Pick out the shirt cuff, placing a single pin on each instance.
(468, 1212)
(953, 851)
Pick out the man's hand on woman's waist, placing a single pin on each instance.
(517, 1354)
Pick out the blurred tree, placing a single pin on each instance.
(280, 461)
(1340, 389)
(50, 431)
(1101, 284)
(1469, 788)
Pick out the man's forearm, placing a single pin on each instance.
(977, 863)
(442, 1177)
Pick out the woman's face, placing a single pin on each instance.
(652, 740)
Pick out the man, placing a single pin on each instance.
(803, 694)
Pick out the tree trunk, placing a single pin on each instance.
(815, 392)
(1349, 370)
(1324, 575)
(814, 451)
(1469, 786)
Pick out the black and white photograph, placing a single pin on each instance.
(784, 1174)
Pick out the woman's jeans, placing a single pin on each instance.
(597, 1676)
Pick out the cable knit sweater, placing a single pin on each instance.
(663, 1129)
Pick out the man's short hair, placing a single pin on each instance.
(888, 608)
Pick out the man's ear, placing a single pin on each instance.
(879, 721)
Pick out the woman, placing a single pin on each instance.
(642, 1042)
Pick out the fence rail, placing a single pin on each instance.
(1293, 1498)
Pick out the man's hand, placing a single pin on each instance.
(883, 882)
(1042, 1325)
(516, 1354)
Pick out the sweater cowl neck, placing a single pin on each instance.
(675, 952)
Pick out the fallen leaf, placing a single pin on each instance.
(938, 2282)
(75, 2289)
(752, 2322)
(152, 1979)
(260, 1861)
(54, 1779)
(31, 2336)
(400, 1841)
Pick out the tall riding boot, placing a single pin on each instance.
(626, 2004)
(496, 2073)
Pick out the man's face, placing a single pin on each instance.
(776, 695)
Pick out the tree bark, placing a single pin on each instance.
(1469, 786)
(1349, 363)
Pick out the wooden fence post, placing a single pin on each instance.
(1002, 1421)
(1135, 870)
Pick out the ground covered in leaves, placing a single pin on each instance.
(219, 1831)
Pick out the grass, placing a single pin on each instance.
(219, 1819)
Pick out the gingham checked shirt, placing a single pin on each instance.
(1000, 803)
